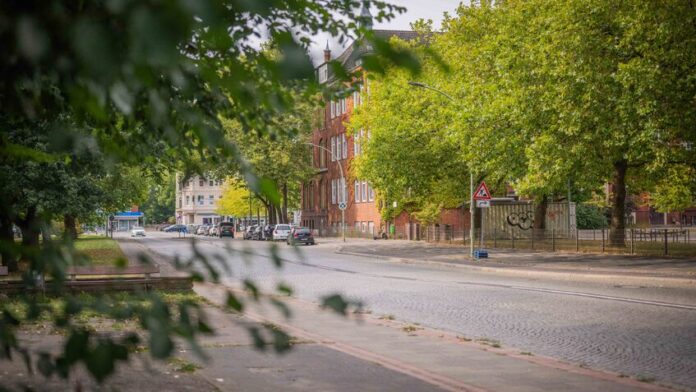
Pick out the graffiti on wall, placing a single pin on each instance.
(524, 220)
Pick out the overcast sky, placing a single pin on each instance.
(416, 9)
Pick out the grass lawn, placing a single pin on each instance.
(101, 250)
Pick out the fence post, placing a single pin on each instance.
(577, 240)
(602, 240)
(633, 240)
(666, 242)
(533, 235)
(495, 237)
(512, 232)
(553, 239)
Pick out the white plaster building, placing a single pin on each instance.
(196, 200)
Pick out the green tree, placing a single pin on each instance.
(145, 84)
(237, 200)
(160, 202)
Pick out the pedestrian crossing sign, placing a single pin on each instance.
(482, 192)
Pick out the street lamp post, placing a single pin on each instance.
(343, 191)
(471, 172)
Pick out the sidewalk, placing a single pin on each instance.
(563, 265)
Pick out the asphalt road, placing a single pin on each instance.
(641, 331)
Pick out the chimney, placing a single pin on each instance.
(327, 53)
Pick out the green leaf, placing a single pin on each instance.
(233, 302)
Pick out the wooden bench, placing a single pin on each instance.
(146, 270)
(3, 270)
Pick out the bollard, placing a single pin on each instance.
(633, 240)
(666, 242)
(602, 240)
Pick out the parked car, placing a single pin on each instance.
(137, 232)
(300, 235)
(202, 229)
(257, 234)
(226, 229)
(192, 228)
(281, 232)
(213, 231)
(174, 228)
(248, 232)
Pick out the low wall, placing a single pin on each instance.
(107, 285)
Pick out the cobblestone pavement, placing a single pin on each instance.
(620, 329)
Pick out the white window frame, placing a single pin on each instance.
(363, 191)
(331, 106)
(201, 200)
(356, 191)
(188, 200)
(356, 143)
(343, 189)
(344, 142)
(333, 191)
(344, 106)
(333, 149)
(211, 199)
(370, 193)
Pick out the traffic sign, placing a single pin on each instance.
(342, 205)
(483, 203)
(482, 192)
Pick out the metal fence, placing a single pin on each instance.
(638, 241)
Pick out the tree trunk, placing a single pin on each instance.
(7, 237)
(31, 229)
(617, 229)
(279, 214)
(284, 212)
(540, 217)
(70, 230)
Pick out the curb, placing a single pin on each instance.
(526, 272)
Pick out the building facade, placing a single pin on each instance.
(333, 151)
(196, 200)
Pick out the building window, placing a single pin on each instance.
(344, 142)
(356, 143)
(333, 191)
(344, 107)
(364, 226)
(200, 200)
(201, 182)
(188, 200)
(356, 191)
(322, 156)
(211, 199)
(179, 202)
(343, 190)
(333, 149)
(370, 193)
(331, 105)
(211, 183)
(363, 189)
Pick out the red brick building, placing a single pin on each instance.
(333, 153)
